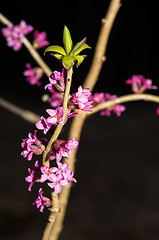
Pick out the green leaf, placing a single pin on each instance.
(67, 40)
(56, 55)
(55, 49)
(80, 48)
(67, 61)
(79, 59)
(78, 45)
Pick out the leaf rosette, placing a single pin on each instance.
(68, 54)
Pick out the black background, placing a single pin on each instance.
(117, 195)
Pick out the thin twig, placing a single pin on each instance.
(25, 114)
(123, 99)
(78, 121)
(30, 48)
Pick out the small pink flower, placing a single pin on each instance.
(81, 100)
(14, 42)
(43, 124)
(33, 74)
(140, 84)
(57, 80)
(40, 40)
(62, 177)
(32, 145)
(56, 99)
(118, 108)
(97, 98)
(56, 116)
(23, 29)
(46, 173)
(8, 31)
(42, 201)
(62, 148)
(32, 178)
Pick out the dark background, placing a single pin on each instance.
(117, 195)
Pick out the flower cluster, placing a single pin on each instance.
(14, 34)
(103, 97)
(55, 177)
(140, 84)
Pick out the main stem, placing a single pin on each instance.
(55, 201)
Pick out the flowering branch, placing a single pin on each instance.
(30, 48)
(126, 98)
(78, 121)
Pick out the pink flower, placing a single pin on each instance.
(62, 177)
(33, 74)
(80, 100)
(57, 80)
(8, 31)
(46, 173)
(32, 178)
(140, 84)
(118, 108)
(32, 145)
(14, 42)
(56, 116)
(42, 201)
(56, 99)
(23, 29)
(97, 98)
(40, 40)
(43, 124)
(62, 148)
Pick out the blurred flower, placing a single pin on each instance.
(40, 40)
(140, 84)
(33, 74)
(14, 34)
(118, 108)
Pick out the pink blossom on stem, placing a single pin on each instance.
(57, 80)
(32, 178)
(97, 98)
(62, 177)
(56, 116)
(32, 145)
(23, 29)
(42, 201)
(46, 173)
(56, 99)
(140, 84)
(40, 40)
(80, 100)
(62, 148)
(8, 31)
(33, 74)
(118, 108)
(14, 34)
(43, 124)
(14, 42)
